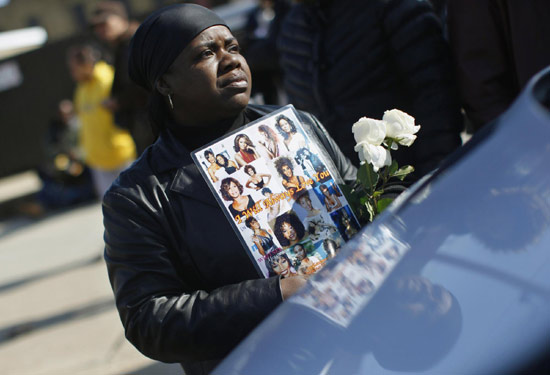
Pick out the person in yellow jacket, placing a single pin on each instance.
(107, 148)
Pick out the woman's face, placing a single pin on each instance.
(286, 171)
(289, 232)
(210, 80)
(285, 125)
(254, 225)
(250, 171)
(305, 202)
(242, 143)
(220, 159)
(281, 266)
(211, 159)
(233, 190)
(300, 252)
(81, 72)
(265, 135)
(324, 190)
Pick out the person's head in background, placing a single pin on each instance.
(65, 110)
(81, 61)
(110, 21)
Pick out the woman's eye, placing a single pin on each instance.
(206, 53)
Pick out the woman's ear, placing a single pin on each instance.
(162, 87)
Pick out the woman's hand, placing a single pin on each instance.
(291, 285)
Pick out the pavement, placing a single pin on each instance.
(58, 314)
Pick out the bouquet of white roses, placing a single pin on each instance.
(375, 140)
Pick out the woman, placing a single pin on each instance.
(331, 200)
(256, 180)
(318, 224)
(288, 229)
(213, 167)
(261, 238)
(311, 165)
(245, 150)
(284, 166)
(304, 201)
(349, 228)
(279, 264)
(228, 166)
(274, 205)
(183, 294)
(231, 190)
(306, 265)
(271, 141)
(293, 140)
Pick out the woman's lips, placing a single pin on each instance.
(237, 83)
(238, 80)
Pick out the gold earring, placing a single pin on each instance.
(170, 102)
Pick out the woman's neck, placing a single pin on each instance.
(196, 135)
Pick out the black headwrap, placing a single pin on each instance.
(161, 38)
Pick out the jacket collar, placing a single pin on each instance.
(169, 154)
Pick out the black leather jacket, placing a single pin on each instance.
(185, 288)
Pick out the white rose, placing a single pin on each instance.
(400, 127)
(369, 130)
(378, 156)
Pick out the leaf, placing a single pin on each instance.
(368, 177)
(383, 203)
(371, 210)
(393, 167)
(403, 172)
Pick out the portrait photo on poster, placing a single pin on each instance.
(279, 194)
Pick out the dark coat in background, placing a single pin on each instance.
(259, 46)
(131, 98)
(346, 59)
(185, 288)
(497, 45)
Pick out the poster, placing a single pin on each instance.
(277, 191)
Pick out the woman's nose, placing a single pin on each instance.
(230, 61)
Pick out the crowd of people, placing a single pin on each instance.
(185, 290)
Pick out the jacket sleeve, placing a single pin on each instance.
(423, 59)
(165, 314)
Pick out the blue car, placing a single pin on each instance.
(453, 278)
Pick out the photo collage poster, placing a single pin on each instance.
(276, 190)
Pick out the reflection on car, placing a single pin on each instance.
(453, 278)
